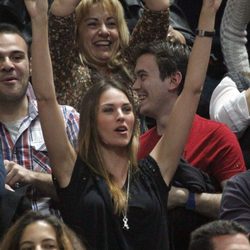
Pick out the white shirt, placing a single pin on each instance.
(229, 106)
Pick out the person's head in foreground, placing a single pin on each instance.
(220, 235)
(37, 231)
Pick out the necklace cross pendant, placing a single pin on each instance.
(125, 223)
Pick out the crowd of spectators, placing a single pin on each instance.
(171, 77)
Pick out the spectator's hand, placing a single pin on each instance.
(37, 8)
(157, 5)
(63, 7)
(175, 35)
(16, 174)
(177, 197)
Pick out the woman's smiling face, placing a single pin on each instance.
(98, 34)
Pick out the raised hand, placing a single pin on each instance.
(36, 8)
(157, 5)
(63, 7)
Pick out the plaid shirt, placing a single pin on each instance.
(29, 149)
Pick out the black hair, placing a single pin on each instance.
(170, 57)
(9, 28)
(201, 238)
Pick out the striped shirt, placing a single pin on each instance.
(27, 148)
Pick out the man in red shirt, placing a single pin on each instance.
(212, 147)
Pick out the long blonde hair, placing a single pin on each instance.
(114, 7)
(89, 141)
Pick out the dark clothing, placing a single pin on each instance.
(133, 11)
(12, 206)
(88, 209)
(181, 222)
(235, 203)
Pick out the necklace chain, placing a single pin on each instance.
(125, 213)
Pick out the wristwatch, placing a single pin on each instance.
(204, 33)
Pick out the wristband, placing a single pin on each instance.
(190, 204)
(204, 33)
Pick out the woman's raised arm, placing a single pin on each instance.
(61, 153)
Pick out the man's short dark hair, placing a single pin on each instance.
(9, 28)
(201, 238)
(170, 57)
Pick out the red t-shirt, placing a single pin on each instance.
(211, 147)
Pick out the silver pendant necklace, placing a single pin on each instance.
(125, 212)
